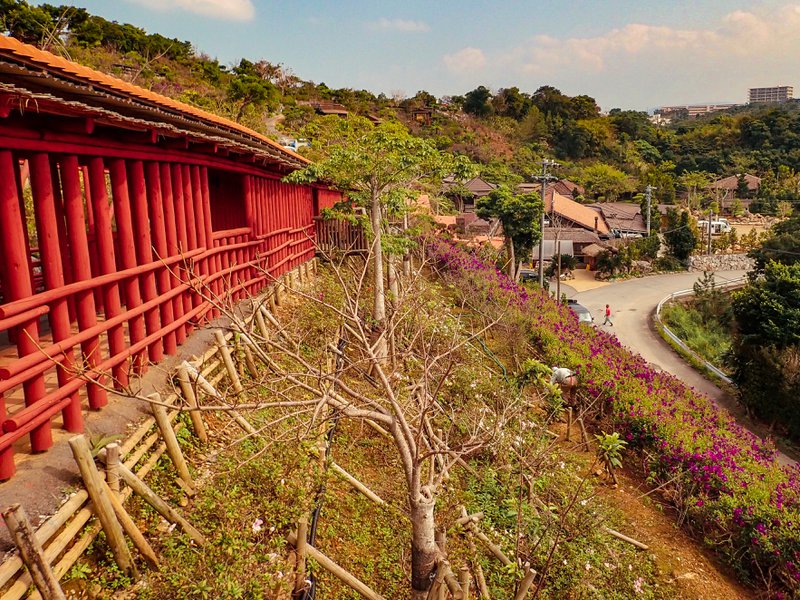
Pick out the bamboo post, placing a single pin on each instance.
(133, 532)
(473, 518)
(337, 571)
(209, 389)
(191, 400)
(276, 294)
(112, 467)
(272, 304)
(483, 590)
(227, 360)
(525, 584)
(464, 581)
(569, 422)
(262, 325)
(302, 544)
(625, 538)
(32, 553)
(250, 361)
(102, 504)
(154, 500)
(451, 581)
(171, 440)
(437, 585)
(493, 548)
(584, 436)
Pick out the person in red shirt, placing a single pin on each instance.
(608, 316)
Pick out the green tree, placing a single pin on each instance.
(519, 215)
(478, 102)
(605, 180)
(695, 184)
(681, 236)
(382, 169)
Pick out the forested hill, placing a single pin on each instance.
(613, 155)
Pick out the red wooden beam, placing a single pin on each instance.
(53, 274)
(79, 255)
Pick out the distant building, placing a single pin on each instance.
(781, 93)
(688, 111)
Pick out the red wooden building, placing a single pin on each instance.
(116, 206)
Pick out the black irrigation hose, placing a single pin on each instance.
(310, 593)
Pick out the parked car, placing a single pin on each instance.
(584, 315)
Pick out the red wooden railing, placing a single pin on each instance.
(128, 262)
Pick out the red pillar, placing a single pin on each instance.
(53, 274)
(82, 271)
(144, 252)
(159, 237)
(183, 236)
(17, 284)
(172, 244)
(108, 264)
(63, 240)
(127, 253)
(200, 221)
(191, 227)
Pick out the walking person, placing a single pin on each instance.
(608, 316)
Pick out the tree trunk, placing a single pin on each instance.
(379, 305)
(423, 546)
(512, 260)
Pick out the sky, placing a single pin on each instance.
(625, 53)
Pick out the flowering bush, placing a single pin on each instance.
(728, 482)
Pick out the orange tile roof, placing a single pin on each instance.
(576, 212)
(61, 66)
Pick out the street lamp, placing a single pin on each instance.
(544, 178)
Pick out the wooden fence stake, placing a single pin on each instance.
(262, 325)
(133, 532)
(32, 553)
(525, 584)
(102, 504)
(625, 538)
(171, 440)
(154, 500)
(191, 400)
(227, 360)
(584, 436)
(112, 467)
(209, 389)
(302, 544)
(464, 582)
(569, 422)
(483, 590)
(437, 585)
(337, 571)
(250, 361)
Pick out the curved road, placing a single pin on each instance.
(633, 303)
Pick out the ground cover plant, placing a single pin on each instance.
(540, 506)
(727, 485)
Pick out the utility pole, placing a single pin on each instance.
(544, 178)
(710, 219)
(648, 194)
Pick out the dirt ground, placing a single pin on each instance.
(682, 561)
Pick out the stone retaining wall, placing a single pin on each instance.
(721, 262)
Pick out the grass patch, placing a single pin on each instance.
(710, 338)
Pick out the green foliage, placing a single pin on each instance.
(606, 181)
(519, 214)
(609, 449)
(766, 357)
(681, 236)
(708, 337)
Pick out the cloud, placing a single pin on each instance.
(465, 60)
(739, 35)
(230, 10)
(403, 25)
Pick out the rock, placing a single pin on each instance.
(721, 262)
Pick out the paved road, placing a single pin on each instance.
(632, 304)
